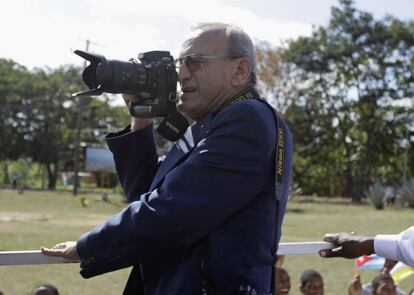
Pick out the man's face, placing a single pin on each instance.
(386, 287)
(313, 287)
(207, 85)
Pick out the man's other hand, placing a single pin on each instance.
(136, 123)
(66, 250)
(348, 245)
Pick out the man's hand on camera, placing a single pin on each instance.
(348, 245)
(136, 123)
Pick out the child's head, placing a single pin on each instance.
(383, 284)
(311, 283)
(282, 281)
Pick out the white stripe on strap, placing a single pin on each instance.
(181, 144)
(36, 256)
(188, 135)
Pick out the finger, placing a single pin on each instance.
(336, 252)
(52, 252)
(130, 98)
(127, 96)
(59, 246)
(331, 238)
(325, 253)
(49, 251)
(329, 253)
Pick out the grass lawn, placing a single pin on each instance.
(33, 219)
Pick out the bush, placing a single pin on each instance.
(407, 193)
(376, 195)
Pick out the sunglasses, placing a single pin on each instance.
(194, 62)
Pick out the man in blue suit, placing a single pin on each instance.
(207, 219)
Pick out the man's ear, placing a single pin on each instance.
(242, 71)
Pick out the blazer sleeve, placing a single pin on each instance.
(226, 170)
(135, 159)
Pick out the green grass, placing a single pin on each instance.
(33, 219)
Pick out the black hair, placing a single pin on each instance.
(309, 275)
(378, 279)
(46, 289)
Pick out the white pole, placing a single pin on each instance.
(36, 257)
(28, 258)
(303, 248)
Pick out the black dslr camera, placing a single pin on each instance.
(154, 80)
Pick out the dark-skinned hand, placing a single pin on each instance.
(348, 245)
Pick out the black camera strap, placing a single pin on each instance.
(173, 126)
(251, 93)
(280, 162)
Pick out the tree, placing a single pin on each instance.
(342, 83)
(14, 84)
(49, 113)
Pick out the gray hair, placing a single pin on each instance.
(239, 43)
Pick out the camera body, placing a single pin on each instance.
(154, 81)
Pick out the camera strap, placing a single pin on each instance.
(173, 126)
(280, 162)
(251, 93)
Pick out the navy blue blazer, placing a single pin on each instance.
(205, 218)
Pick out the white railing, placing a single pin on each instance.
(36, 256)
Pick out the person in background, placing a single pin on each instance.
(282, 278)
(15, 177)
(311, 283)
(282, 281)
(45, 289)
(390, 195)
(383, 284)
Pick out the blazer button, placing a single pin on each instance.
(88, 262)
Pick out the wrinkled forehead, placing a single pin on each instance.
(205, 43)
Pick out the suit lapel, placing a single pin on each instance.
(179, 150)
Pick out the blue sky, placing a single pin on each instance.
(38, 33)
